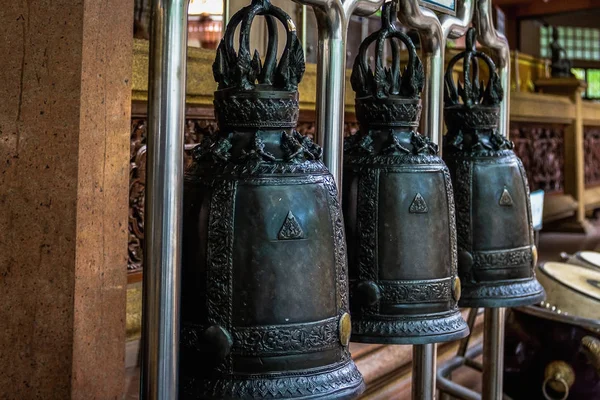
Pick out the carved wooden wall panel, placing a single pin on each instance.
(541, 148)
(195, 129)
(591, 146)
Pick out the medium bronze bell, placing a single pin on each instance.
(264, 284)
(496, 252)
(398, 207)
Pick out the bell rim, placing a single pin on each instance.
(344, 394)
(428, 336)
(413, 340)
(484, 296)
(347, 368)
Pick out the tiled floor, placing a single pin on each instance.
(550, 247)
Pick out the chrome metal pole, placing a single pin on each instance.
(304, 27)
(164, 194)
(423, 372)
(493, 353)
(331, 79)
(427, 23)
(434, 30)
(332, 22)
(497, 42)
(226, 13)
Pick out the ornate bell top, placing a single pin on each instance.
(386, 97)
(250, 93)
(256, 104)
(388, 102)
(472, 109)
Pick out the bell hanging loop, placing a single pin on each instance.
(496, 251)
(264, 272)
(398, 206)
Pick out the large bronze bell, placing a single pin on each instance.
(398, 207)
(496, 252)
(264, 282)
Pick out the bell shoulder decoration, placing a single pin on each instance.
(496, 251)
(264, 279)
(398, 206)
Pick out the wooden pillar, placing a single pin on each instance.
(574, 152)
(64, 146)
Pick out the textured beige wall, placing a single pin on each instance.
(64, 149)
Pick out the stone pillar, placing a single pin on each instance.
(65, 99)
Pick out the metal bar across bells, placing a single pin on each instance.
(164, 200)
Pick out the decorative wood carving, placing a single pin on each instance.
(137, 179)
(541, 148)
(591, 148)
(195, 129)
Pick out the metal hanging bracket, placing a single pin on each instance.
(333, 17)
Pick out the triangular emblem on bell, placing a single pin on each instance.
(291, 229)
(398, 207)
(496, 250)
(505, 199)
(418, 205)
(265, 305)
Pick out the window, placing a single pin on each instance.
(593, 80)
(592, 76)
(579, 43)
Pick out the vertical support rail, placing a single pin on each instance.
(496, 42)
(493, 353)
(303, 28)
(423, 372)
(332, 22)
(164, 195)
(493, 339)
(226, 13)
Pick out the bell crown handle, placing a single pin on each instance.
(242, 71)
(384, 82)
(472, 92)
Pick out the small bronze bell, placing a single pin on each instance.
(496, 252)
(264, 282)
(398, 207)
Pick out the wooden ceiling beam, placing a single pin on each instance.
(532, 8)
